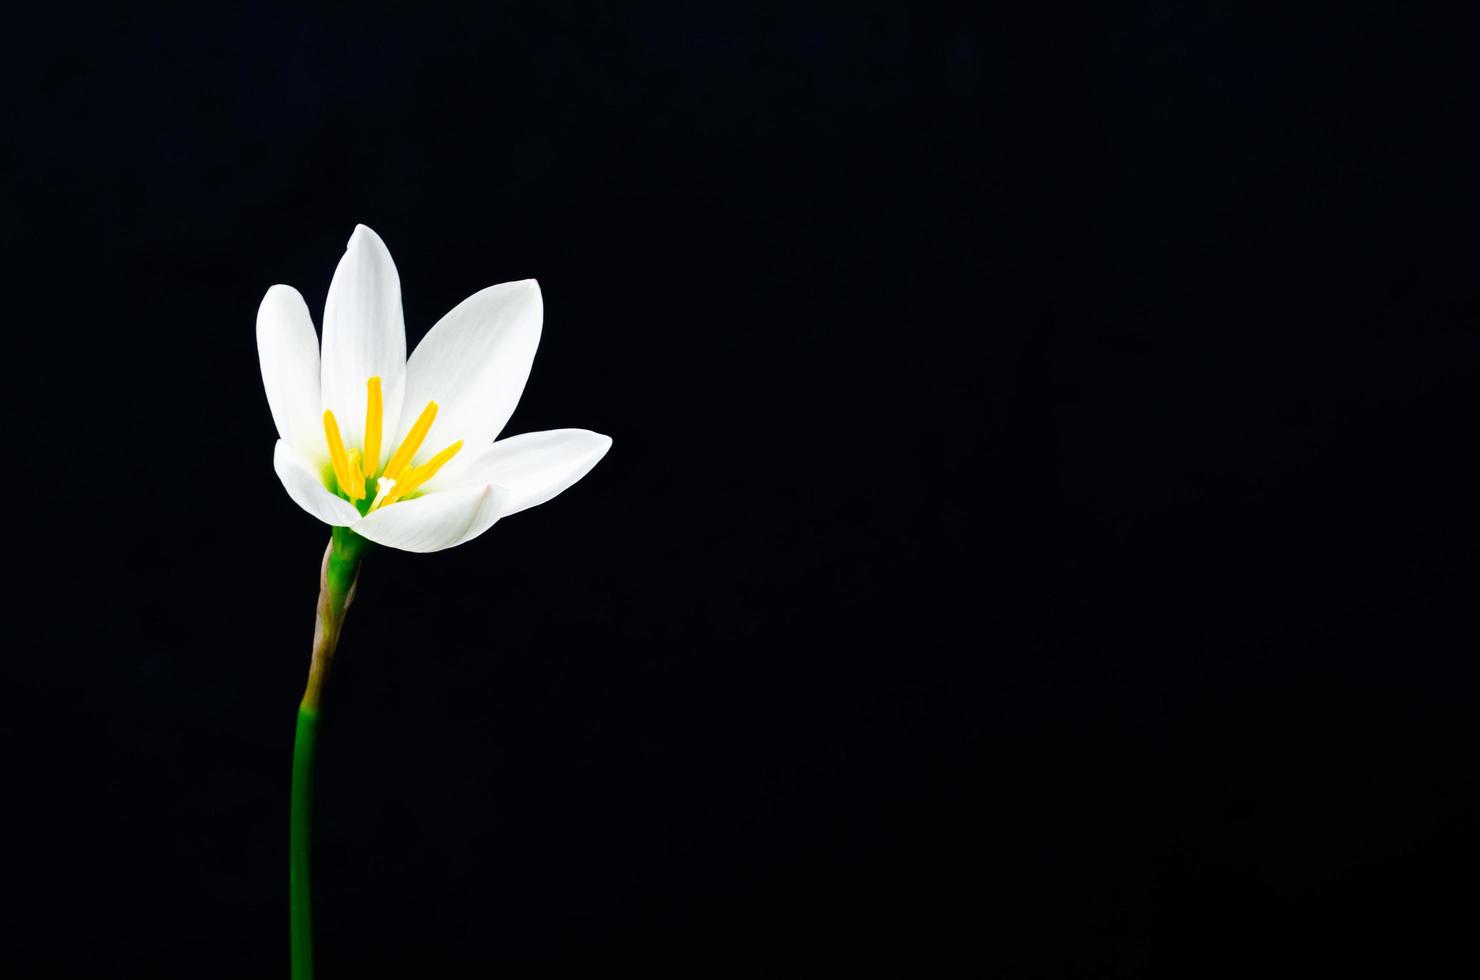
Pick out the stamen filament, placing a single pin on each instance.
(412, 442)
(421, 474)
(373, 415)
(337, 456)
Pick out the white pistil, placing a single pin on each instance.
(382, 490)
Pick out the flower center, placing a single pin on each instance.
(355, 471)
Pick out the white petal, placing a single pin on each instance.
(307, 489)
(288, 350)
(535, 466)
(364, 336)
(473, 364)
(435, 521)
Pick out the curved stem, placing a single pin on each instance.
(337, 578)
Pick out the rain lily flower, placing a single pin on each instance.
(398, 452)
(401, 451)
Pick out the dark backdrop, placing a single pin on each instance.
(1039, 536)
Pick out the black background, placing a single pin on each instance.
(1040, 534)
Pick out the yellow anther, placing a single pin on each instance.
(373, 415)
(413, 480)
(412, 442)
(356, 490)
(337, 455)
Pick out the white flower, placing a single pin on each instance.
(402, 452)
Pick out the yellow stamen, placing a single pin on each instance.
(412, 442)
(357, 479)
(337, 454)
(421, 474)
(372, 427)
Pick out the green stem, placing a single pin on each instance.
(300, 932)
(337, 577)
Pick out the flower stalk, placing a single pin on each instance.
(337, 578)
